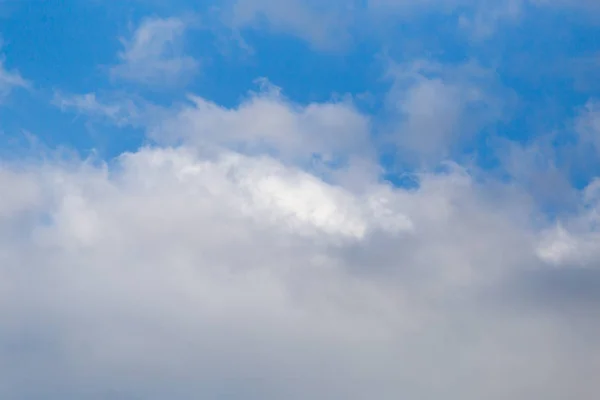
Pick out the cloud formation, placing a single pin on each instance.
(325, 25)
(438, 106)
(154, 54)
(9, 79)
(177, 272)
(260, 246)
(267, 122)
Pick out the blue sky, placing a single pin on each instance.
(266, 199)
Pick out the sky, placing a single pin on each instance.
(299, 199)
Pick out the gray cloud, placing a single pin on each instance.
(175, 273)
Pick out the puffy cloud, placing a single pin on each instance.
(169, 273)
(154, 54)
(266, 122)
(436, 107)
(178, 272)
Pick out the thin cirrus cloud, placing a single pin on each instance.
(154, 54)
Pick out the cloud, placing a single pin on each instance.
(154, 54)
(266, 122)
(486, 19)
(174, 271)
(325, 25)
(586, 5)
(168, 273)
(332, 25)
(10, 79)
(587, 124)
(120, 113)
(436, 107)
(255, 252)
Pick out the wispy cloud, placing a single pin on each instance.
(484, 21)
(119, 112)
(154, 55)
(325, 25)
(10, 80)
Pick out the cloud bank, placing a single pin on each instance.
(199, 270)
(265, 248)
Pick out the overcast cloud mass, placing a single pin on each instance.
(297, 199)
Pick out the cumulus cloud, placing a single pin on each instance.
(255, 252)
(437, 106)
(177, 272)
(266, 122)
(154, 54)
(170, 274)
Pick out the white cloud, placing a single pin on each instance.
(154, 54)
(9, 79)
(485, 20)
(323, 24)
(332, 24)
(171, 274)
(267, 122)
(176, 272)
(438, 106)
(587, 124)
(120, 112)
